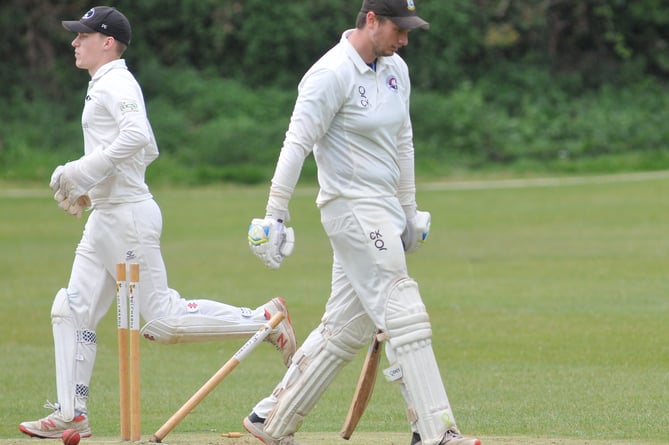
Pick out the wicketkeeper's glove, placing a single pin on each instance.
(55, 178)
(416, 231)
(77, 209)
(82, 203)
(270, 240)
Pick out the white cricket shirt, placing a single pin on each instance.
(356, 121)
(114, 119)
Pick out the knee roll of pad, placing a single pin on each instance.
(407, 320)
(61, 307)
(348, 342)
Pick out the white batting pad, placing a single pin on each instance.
(194, 328)
(413, 364)
(314, 367)
(75, 350)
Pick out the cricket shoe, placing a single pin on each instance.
(53, 425)
(451, 437)
(255, 425)
(283, 336)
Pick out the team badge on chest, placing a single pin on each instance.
(392, 83)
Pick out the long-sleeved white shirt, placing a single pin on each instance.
(114, 119)
(356, 121)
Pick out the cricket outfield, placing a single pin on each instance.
(549, 302)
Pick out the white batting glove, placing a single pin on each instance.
(416, 231)
(270, 240)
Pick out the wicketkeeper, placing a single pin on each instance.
(125, 224)
(352, 110)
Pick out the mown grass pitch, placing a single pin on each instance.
(549, 305)
(365, 438)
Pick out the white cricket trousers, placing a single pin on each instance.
(125, 233)
(368, 259)
(129, 233)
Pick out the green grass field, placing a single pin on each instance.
(549, 304)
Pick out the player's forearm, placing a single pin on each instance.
(285, 178)
(406, 191)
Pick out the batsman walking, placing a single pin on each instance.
(124, 225)
(352, 110)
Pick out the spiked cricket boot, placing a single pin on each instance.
(53, 425)
(283, 336)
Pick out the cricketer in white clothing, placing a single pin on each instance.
(124, 225)
(352, 110)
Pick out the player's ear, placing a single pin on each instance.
(371, 18)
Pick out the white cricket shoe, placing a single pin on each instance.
(283, 336)
(53, 425)
(256, 427)
(451, 437)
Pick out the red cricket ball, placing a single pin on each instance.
(71, 437)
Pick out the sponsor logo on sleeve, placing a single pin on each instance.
(129, 106)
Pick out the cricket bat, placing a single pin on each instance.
(363, 392)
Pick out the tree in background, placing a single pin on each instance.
(220, 76)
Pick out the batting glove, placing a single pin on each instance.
(270, 240)
(416, 231)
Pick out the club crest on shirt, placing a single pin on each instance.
(392, 84)
(129, 106)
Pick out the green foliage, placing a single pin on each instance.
(219, 129)
(543, 125)
(210, 129)
(524, 85)
(284, 39)
(451, 51)
(273, 43)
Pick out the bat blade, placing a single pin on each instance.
(364, 389)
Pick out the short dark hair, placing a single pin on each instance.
(362, 19)
(122, 47)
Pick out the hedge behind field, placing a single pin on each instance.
(554, 84)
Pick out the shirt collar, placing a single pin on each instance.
(104, 69)
(354, 55)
